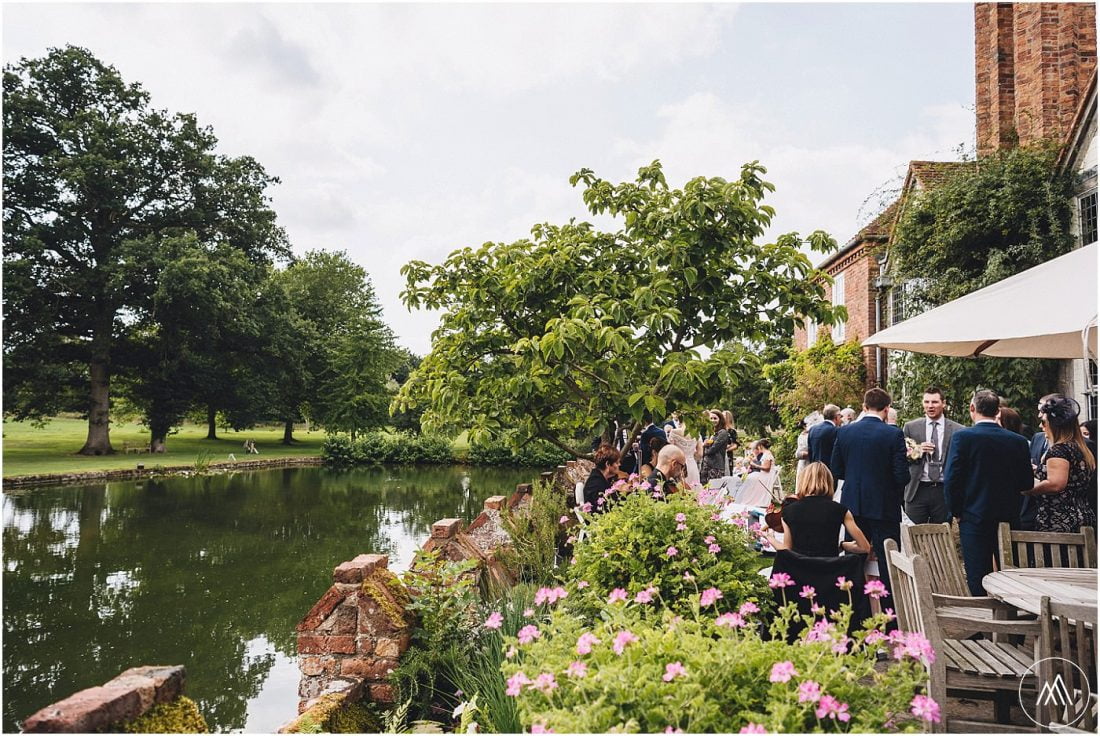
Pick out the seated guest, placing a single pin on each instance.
(650, 452)
(602, 476)
(812, 525)
(757, 488)
(671, 466)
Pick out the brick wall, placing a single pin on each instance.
(1032, 63)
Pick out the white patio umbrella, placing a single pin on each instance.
(1048, 311)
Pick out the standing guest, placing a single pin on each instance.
(602, 476)
(714, 448)
(869, 455)
(728, 416)
(847, 416)
(801, 450)
(671, 463)
(651, 430)
(692, 449)
(1011, 420)
(1088, 431)
(924, 499)
(1029, 506)
(822, 436)
(1062, 485)
(892, 416)
(987, 465)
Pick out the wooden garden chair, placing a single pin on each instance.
(975, 668)
(1068, 639)
(1046, 549)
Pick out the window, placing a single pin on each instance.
(811, 333)
(1086, 207)
(838, 301)
(897, 304)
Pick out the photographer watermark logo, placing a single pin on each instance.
(1051, 692)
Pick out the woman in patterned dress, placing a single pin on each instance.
(714, 448)
(1063, 479)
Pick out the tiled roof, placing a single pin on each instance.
(878, 229)
(931, 173)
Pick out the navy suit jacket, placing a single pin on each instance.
(869, 455)
(987, 467)
(821, 440)
(1030, 505)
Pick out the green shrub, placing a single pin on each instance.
(535, 454)
(339, 450)
(536, 534)
(397, 448)
(694, 673)
(628, 547)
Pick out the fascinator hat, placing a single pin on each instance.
(1061, 410)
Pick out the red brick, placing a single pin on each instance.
(321, 609)
(382, 694)
(342, 620)
(320, 644)
(368, 668)
(446, 528)
(495, 502)
(311, 666)
(353, 571)
(86, 711)
(391, 647)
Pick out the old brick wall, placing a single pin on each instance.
(122, 699)
(1032, 64)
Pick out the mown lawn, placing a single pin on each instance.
(52, 449)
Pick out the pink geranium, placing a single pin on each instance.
(912, 644)
(494, 621)
(674, 670)
(875, 589)
(516, 683)
(780, 580)
(621, 640)
(681, 517)
(748, 607)
(925, 708)
(709, 597)
(843, 583)
(586, 507)
(830, 707)
(672, 551)
(528, 634)
(732, 620)
(545, 683)
(709, 539)
(713, 549)
(528, 612)
(581, 585)
(753, 728)
(541, 728)
(619, 594)
(808, 591)
(645, 596)
(577, 669)
(782, 672)
(563, 520)
(809, 692)
(585, 642)
(681, 527)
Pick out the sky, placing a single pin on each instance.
(407, 131)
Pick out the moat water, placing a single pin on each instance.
(209, 572)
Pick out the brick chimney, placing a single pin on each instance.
(1032, 64)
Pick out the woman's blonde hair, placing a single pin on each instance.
(815, 480)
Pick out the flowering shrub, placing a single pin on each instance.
(669, 552)
(636, 668)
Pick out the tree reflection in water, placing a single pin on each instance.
(210, 572)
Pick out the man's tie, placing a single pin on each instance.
(934, 461)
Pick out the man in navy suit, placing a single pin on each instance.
(987, 467)
(869, 455)
(823, 436)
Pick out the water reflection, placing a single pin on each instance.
(210, 572)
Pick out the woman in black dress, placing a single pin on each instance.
(602, 476)
(1064, 487)
(811, 526)
(714, 448)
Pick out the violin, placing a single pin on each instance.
(774, 519)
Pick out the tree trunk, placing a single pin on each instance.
(211, 422)
(159, 435)
(288, 432)
(99, 409)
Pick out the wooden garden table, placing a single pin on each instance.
(1023, 587)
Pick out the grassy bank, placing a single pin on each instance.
(51, 449)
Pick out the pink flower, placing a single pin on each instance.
(545, 683)
(808, 591)
(621, 640)
(541, 728)
(748, 607)
(571, 539)
(670, 729)
(713, 549)
(925, 708)
(753, 728)
(585, 642)
(820, 631)
(874, 636)
(875, 588)
(494, 621)
(528, 634)
(563, 520)
(674, 670)
(645, 596)
(688, 576)
(581, 585)
(843, 583)
(709, 539)
(619, 594)
(709, 597)
(890, 615)
(587, 507)
(681, 527)
(841, 646)
(528, 612)
(817, 610)
(542, 596)
(732, 620)
(912, 644)
(577, 669)
(672, 551)
(516, 683)
(830, 707)
(809, 692)
(739, 521)
(782, 672)
(780, 580)
(716, 517)
(550, 595)
(681, 517)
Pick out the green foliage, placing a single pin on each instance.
(397, 448)
(529, 329)
(536, 534)
(627, 547)
(824, 373)
(1009, 212)
(179, 716)
(355, 718)
(725, 684)
(533, 454)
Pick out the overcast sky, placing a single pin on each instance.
(407, 131)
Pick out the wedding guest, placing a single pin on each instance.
(1088, 431)
(822, 436)
(649, 452)
(714, 448)
(1029, 506)
(1062, 486)
(671, 464)
(847, 416)
(1011, 420)
(691, 447)
(732, 446)
(801, 449)
(924, 501)
(602, 476)
(811, 526)
(892, 416)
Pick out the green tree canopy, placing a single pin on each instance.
(95, 180)
(1009, 212)
(558, 334)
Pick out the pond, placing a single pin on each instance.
(210, 572)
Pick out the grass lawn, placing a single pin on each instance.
(30, 451)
